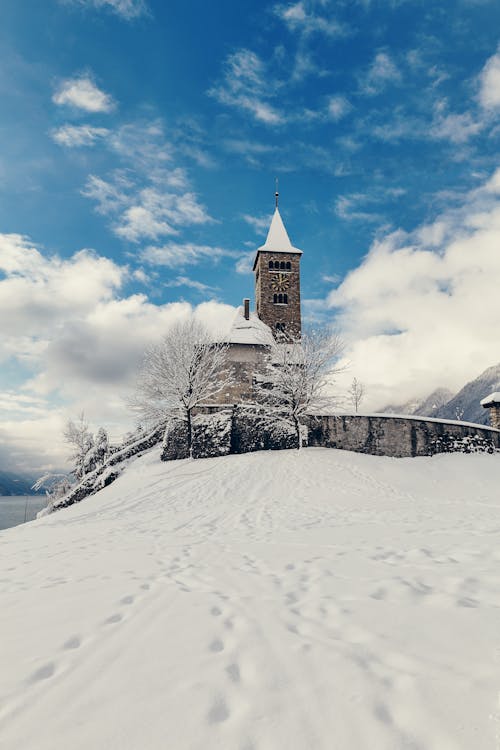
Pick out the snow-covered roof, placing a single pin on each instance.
(277, 240)
(251, 331)
(493, 398)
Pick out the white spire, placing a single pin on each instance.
(278, 240)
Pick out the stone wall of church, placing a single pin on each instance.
(245, 361)
(240, 432)
(397, 436)
(288, 315)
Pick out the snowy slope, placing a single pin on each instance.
(280, 600)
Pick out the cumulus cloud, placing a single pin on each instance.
(82, 93)
(73, 136)
(65, 322)
(246, 85)
(489, 83)
(421, 310)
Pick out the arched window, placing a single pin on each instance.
(280, 299)
(285, 299)
(271, 265)
(282, 265)
(288, 266)
(275, 299)
(276, 264)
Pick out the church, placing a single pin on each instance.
(276, 270)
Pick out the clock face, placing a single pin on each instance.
(280, 282)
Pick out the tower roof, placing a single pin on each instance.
(277, 240)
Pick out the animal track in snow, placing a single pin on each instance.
(72, 643)
(219, 711)
(44, 672)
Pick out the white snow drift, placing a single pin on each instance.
(300, 600)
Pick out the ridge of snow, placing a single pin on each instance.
(277, 240)
(253, 331)
(493, 398)
(300, 599)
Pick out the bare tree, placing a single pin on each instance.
(356, 393)
(296, 376)
(179, 373)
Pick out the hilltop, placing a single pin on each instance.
(314, 599)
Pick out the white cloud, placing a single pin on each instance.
(148, 199)
(260, 224)
(489, 83)
(457, 128)
(179, 254)
(338, 107)
(81, 92)
(421, 310)
(63, 319)
(73, 136)
(149, 213)
(382, 71)
(246, 85)
(299, 19)
(128, 9)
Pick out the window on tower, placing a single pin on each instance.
(280, 327)
(271, 265)
(288, 266)
(285, 299)
(282, 265)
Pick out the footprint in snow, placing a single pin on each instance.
(43, 673)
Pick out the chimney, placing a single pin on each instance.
(246, 309)
(492, 403)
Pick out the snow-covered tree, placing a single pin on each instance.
(79, 437)
(186, 369)
(56, 485)
(356, 393)
(297, 374)
(98, 451)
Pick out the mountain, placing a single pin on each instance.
(276, 599)
(466, 404)
(431, 405)
(15, 484)
(425, 408)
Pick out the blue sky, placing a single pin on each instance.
(139, 146)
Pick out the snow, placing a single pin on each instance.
(306, 600)
(277, 240)
(493, 398)
(251, 331)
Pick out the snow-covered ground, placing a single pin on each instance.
(270, 601)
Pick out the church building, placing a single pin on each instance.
(277, 309)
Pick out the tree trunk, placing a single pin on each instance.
(297, 432)
(189, 434)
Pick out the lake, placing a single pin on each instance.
(13, 509)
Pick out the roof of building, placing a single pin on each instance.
(252, 331)
(277, 240)
(491, 400)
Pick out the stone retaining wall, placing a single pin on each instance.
(396, 436)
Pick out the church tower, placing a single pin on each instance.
(277, 280)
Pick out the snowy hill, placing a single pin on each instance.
(466, 403)
(306, 601)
